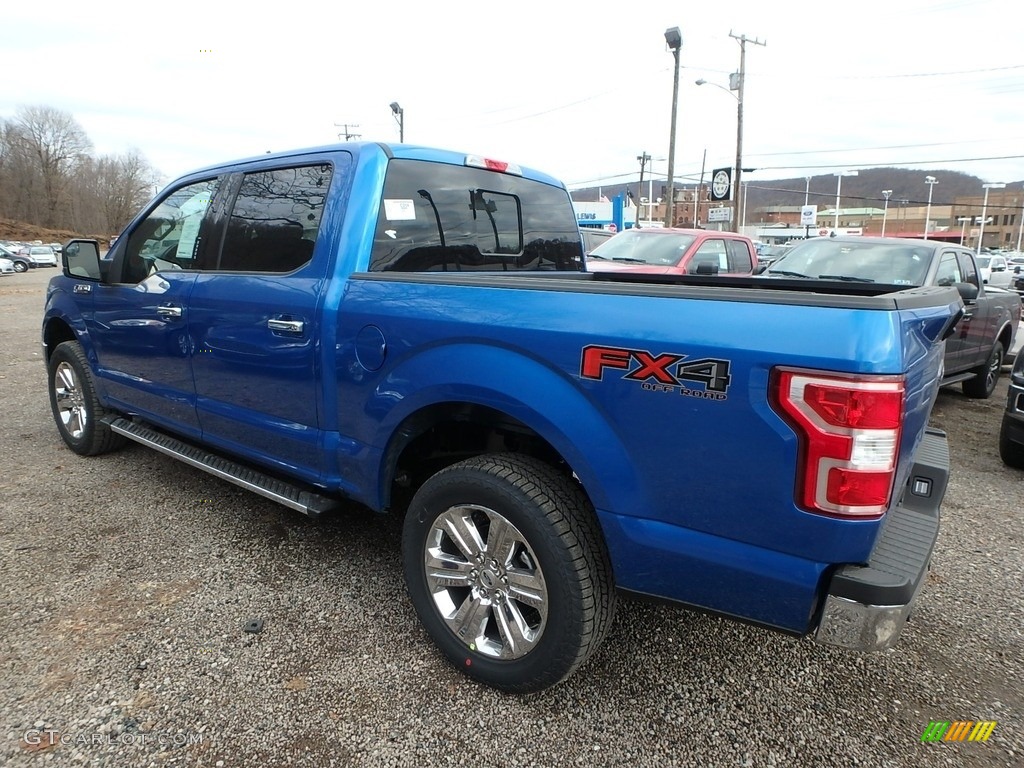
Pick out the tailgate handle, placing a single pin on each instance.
(288, 326)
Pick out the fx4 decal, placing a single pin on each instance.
(666, 372)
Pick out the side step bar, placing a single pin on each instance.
(311, 504)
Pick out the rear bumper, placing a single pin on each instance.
(866, 606)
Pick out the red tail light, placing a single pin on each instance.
(849, 429)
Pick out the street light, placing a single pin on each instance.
(963, 227)
(675, 41)
(984, 206)
(886, 193)
(839, 187)
(931, 182)
(735, 79)
(399, 114)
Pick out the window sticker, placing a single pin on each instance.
(399, 210)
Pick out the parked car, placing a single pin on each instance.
(593, 237)
(674, 251)
(1011, 432)
(975, 351)
(43, 256)
(994, 270)
(6, 266)
(769, 254)
(21, 262)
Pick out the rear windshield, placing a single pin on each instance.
(436, 217)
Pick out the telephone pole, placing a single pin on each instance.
(738, 87)
(346, 132)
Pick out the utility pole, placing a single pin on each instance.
(742, 40)
(346, 132)
(644, 159)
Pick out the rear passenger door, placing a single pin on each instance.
(253, 316)
(977, 329)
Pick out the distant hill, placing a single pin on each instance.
(863, 190)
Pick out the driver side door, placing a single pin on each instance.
(139, 322)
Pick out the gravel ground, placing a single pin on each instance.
(127, 580)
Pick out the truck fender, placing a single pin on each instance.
(516, 383)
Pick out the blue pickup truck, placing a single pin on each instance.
(415, 330)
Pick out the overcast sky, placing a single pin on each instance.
(577, 89)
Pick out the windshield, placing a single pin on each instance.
(895, 264)
(638, 247)
(44, 251)
(983, 261)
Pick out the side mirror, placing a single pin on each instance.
(82, 259)
(968, 292)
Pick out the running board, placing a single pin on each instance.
(306, 502)
(957, 377)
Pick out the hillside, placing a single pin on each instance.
(864, 189)
(26, 233)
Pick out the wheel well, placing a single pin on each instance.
(56, 332)
(443, 434)
(1004, 337)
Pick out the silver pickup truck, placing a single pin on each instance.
(977, 348)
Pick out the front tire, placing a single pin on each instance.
(20, 266)
(1010, 452)
(75, 406)
(986, 376)
(507, 570)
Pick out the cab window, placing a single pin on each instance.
(275, 219)
(171, 235)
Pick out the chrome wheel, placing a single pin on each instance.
(485, 582)
(70, 401)
(994, 365)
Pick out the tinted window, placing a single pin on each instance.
(968, 273)
(437, 217)
(171, 235)
(739, 256)
(275, 219)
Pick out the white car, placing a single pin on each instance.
(995, 271)
(6, 266)
(42, 256)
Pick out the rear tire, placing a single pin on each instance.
(985, 376)
(75, 406)
(507, 570)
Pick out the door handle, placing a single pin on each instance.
(288, 326)
(169, 311)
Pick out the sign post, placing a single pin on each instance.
(808, 218)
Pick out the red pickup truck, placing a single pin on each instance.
(672, 251)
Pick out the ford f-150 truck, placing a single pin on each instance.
(975, 351)
(414, 330)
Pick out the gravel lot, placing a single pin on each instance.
(127, 580)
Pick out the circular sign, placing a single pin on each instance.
(822, 232)
(612, 228)
(720, 185)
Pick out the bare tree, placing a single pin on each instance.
(55, 144)
(126, 184)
